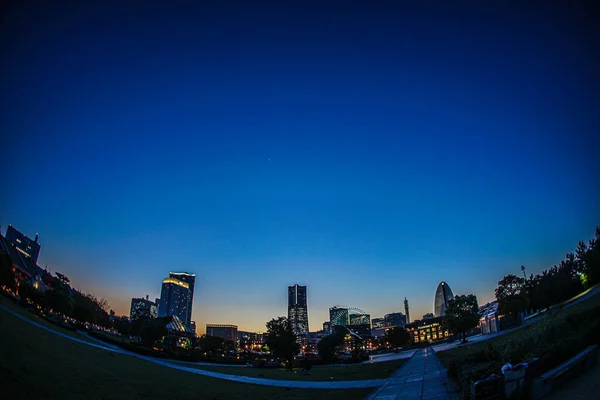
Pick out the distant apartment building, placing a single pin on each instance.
(174, 300)
(327, 326)
(227, 332)
(378, 323)
(142, 308)
(298, 309)
(428, 316)
(395, 319)
(250, 340)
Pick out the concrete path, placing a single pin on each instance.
(329, 385)
(389, 357)
(421, 378)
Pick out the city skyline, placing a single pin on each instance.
(367, 153)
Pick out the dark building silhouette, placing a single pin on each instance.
(298, 309)
(395, 319)
(24, 245)
(227, 332)
(406, 311)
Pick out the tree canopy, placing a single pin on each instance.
(397, 336)
(511, 295)
(462, 314)
(282, 340)
(576, 272)
(327, 346)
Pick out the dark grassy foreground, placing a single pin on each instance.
(35, 364)
(553, 340)
(324, 373)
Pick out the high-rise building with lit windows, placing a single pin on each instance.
(298, 309)
(190, 279)
(174, 300)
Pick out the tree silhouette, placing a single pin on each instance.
(511, 295)
(397, 336)
(462, 315)
(282, 340)
(328, 345)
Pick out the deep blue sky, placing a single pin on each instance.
(367, 152)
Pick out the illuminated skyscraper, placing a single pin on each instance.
(298, 309)
(174, 300)
(443, 295)
(190, 279)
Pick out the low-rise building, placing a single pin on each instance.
(427, 331)
(227, 332)
(141, 308)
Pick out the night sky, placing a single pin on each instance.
(368, 152)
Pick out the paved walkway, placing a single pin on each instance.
(421, 377)
(359, 384)
(389, 357)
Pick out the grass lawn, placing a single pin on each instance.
(324, 373)
(501, 341)
(36, 364)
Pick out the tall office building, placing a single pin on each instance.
(190, 279)
(443, 295)
(23, 244)
(298, 309)
(406, 311)
(174, 300)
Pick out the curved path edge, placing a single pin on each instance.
(360, 384)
